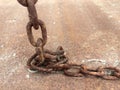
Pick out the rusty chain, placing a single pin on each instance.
(45, 60)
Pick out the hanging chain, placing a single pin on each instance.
(45, 60)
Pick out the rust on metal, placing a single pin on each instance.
(45, 60)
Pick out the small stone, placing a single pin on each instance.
(14, 54)
(28, 76)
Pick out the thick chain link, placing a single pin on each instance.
(25, 2)
(30, 35)
(45, 60)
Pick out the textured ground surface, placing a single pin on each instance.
(89, 30)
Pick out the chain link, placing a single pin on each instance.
(30, 35)
(45, 60)
(25, 2)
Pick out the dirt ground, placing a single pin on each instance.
(89, 31)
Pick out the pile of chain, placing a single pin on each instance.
(48, 61)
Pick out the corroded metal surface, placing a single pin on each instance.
(43, 61)
(94, 23)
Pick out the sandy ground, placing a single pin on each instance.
(87, 29)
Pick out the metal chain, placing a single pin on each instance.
(45, 60)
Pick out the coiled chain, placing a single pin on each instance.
(45, 60)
